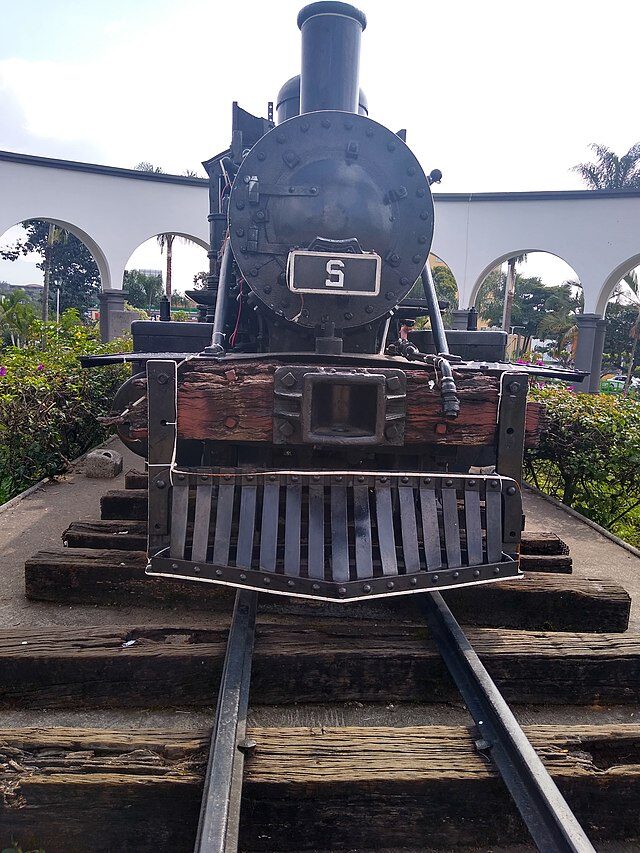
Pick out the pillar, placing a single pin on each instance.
(586, 347)
(114, 320)
(598, 349)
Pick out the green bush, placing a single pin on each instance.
(589, 456)
(49, 403)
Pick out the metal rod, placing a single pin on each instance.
(549, 819)
(220, 811)
(217, 333)
(437, 326)
(450, 401)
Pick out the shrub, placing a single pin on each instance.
(49, 403)
(589, 456)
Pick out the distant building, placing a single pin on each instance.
(34, 291)
(152, 273)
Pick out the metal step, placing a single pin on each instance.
(340, 535)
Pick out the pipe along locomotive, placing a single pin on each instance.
(304, 439)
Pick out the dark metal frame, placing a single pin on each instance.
(293, 389)
(230, 560)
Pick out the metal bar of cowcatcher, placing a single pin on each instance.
(220, 810)
(550, 821)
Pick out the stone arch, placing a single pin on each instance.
(612, 280)
(500, 259)
(94, 248)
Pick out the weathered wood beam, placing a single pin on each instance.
(536, 601)
(129, 504)
(320, 788)
(107, 534)
(534, 542)
(209, 393)
(303, 660)
(561, 563)
(136, 479)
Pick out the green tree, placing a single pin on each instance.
(144, 290)
(546, 312)
(610, 171)
(621, 319)
(445, 283)
(17, 317)
(70, 264)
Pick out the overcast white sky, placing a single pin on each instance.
(498, 95)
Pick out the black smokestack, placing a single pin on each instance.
(330, 56)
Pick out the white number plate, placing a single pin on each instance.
(341, 274)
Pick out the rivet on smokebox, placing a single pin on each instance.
(441, 429)
(231, 422)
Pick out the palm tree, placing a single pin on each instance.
(611, 172)
(165, 241)
(55, 235)
(16, 316)
(510, 289)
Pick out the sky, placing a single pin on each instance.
(501, 96)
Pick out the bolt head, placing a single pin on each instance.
(288, 380)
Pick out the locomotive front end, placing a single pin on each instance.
(313, 448)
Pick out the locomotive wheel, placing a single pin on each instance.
(128, 394)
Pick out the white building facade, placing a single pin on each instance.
(113, 211)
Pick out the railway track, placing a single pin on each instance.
(322, 763)
(550, 821)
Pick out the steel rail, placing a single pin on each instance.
(550, 821)
(219, 822)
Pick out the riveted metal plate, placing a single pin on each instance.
(344, 536)
(300, 182)
(355, 406)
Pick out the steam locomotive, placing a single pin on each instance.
(305, 439)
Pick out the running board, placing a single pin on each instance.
(337, 536)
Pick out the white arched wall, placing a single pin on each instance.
(505, 257)
(116, 209)
(613, 279)
(96, 251)
(595, 232)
